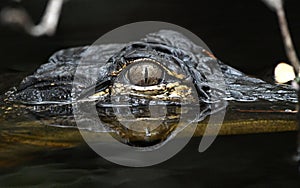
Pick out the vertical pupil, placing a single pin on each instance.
(146, 75)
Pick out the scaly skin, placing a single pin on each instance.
(47, 94)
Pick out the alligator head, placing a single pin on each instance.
(133, 86)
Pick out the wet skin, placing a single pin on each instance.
(162, 69)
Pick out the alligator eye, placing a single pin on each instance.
(145, 73)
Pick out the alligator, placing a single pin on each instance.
(164, 71)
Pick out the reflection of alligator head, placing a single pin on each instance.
(163, 69)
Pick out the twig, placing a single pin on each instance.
(48, 23)
(277, 5)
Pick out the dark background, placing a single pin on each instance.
(243, 34)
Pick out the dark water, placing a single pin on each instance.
(242, 34)
(262, 160)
